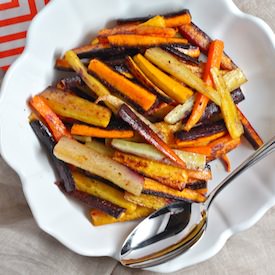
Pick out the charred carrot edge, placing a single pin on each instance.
(139, 30)
(171, 176)
(226, 161)
(153, 187)
(192, 51)
(249, 132)
(84, 130)
(138, 94)
(200, 175)
(200, 141)
(103, 51)
(62, 65)
(199, 38)
(202, 191)
(219, 149)
(133, 40)
(70, 82)
(178, 20)
(211, 148)
(196, 184)
(94, 202)
(159, 111)
(91, 50)
(148, 134)
(201, 131)
(183, 54)
(215, 53)
(172, 19)
(215, 148)
(100, 218)
(56, 126)
(45, 137)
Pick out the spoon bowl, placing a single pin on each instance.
(172, 229)
(177, 227)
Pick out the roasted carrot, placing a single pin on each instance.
(215, 53)
(202, 141)
(96, 86)
(202, 191)
(169, 175)
(153, 187)
(179, 19)
(203, 131)
(171, 65)
(100, 218)
(148, 134)
(133, 40)
(216, 148)
(249, 132)
(138, 94)
(54, 123)
(228, 107)
(62, 65)
(226, 161)
(84, 130)
(139, 30)
(170, 86)
(199, 38)
(204, 174)
(150, 201)
(140, 76)
(172, 19)
(69, 105)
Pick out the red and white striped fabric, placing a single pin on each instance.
(15, 18)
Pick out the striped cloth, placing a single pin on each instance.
(15, 18)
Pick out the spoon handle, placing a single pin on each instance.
(262, 152)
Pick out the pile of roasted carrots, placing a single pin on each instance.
(140, 116)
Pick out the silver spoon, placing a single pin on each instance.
(175, 228)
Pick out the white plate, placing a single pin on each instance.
(65, 24)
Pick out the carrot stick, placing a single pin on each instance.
(249, 132)
(214, 60)
(201, 141)
(142, 40)
(226, 161)
(216, 148)
(84, 130)
(139, 30)
(148, 134)
(54, 123)
(138, 94)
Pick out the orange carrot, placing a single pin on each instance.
(84, 130)
(201, 141)
(214, 60)
(226, 161)
(199, 174)
(138, 94)
(216, 148)
(56, 126)
(139, 30)
(62, 64)
(128, 40)
(178, 20)
(202, 191)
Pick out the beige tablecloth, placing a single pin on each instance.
(25, 249)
